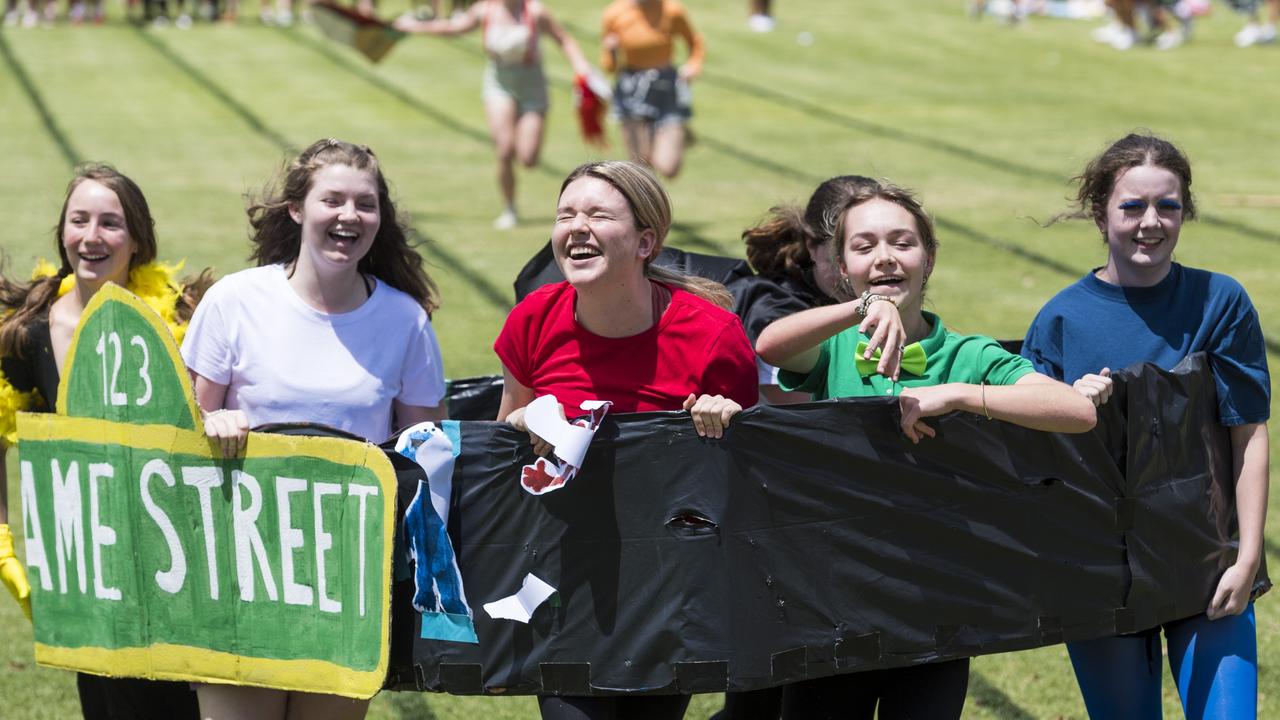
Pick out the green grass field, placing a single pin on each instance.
(987, 122)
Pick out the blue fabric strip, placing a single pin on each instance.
(448, 626)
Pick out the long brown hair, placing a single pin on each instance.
(779, 246)
(30, 301)
(651, 210)
(277, 239)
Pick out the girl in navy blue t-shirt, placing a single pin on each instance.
(1143, 307)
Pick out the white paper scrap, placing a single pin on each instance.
(519, 607)
(570, 441)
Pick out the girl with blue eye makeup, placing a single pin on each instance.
(1141, 306)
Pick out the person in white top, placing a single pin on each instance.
(515, 88)
(332, 327)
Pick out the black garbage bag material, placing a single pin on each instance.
(815, 539)
(476, 398)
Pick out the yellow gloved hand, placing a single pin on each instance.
(12, 574)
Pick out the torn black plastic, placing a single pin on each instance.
(838, 545)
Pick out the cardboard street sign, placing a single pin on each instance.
(369, 35)
(152, 556)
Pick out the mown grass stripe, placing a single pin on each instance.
(481, 284)
(207, 84)
(51, 126)
(982, 692)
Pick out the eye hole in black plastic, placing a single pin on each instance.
(691, 523)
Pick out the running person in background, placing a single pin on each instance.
(624, 330)
(761, 16)
(332, 327)
(1141, 306)
(105, 233)
(651, 95)
(1122, 32)
(515, 86)
(886, 249)
(1257, 31)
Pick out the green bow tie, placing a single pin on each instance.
(913, 359)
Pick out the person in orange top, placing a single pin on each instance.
(651, 96)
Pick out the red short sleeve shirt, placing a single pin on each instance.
(695, 347)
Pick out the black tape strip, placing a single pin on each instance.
(1124, 621)
(820, 659)
(566, 678)
(701, 677)
(858, 650)
(461, 679)
(1126, 511)
(956, 639)
(789, 665)
(1050, 629)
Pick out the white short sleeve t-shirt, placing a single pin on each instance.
(284, 361)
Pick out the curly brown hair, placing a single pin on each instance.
(1099, 177)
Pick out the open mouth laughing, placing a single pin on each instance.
(888, 282)
(343, 235)
(583, 252)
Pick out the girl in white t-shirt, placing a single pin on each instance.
(331, 327)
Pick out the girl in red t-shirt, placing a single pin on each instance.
(623, 330)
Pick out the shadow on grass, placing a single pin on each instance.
(494, 295)
(409, 705)
(991, 698)
(1239, 228)
(51, 126)
(960, 152)
(208, 85)
(850, 122)
(1012, 248)
(373, 80)
(690, 236)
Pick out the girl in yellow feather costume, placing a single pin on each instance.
(105, 233)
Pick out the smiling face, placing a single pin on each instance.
(595, 239)
(339, 216)
(882, 251)
(1144, 218)
(96, 237)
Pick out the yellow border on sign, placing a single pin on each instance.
(201, 664)
(111, 292)
(219, 668)
(210, 665)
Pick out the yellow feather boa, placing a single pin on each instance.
(153, 283)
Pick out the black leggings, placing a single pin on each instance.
(751, 705)
(641, 707)
(936, 690)
(105, 698)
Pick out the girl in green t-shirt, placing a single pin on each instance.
(885, 247)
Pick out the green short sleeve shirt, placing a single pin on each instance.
(950, 358)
